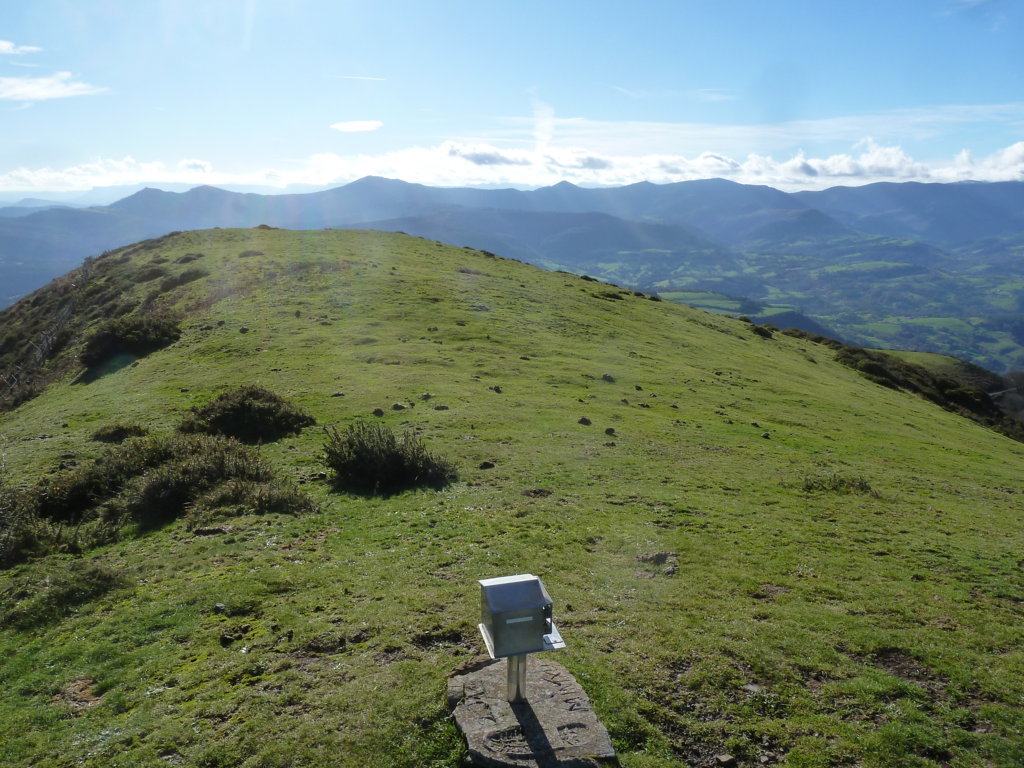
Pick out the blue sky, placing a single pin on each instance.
(791, 93)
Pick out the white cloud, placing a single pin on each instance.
(357, 126)
(7, 48)
(57, 86)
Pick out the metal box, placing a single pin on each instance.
(515, 616)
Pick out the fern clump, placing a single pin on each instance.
(371, 459)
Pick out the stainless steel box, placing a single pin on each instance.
(515, 616)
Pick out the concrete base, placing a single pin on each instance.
(555, 728)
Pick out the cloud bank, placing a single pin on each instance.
(461, 164)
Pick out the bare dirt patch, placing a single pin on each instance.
(79, 695)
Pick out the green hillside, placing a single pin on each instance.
(752, 549)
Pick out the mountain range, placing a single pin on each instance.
(934, 267)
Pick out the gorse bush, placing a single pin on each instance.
(144, 482)
(135, 335)
(250, 414)
(371, 459)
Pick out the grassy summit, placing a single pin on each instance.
(752, 549)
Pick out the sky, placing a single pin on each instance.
(795, 94)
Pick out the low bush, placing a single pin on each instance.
(837, 483)
(119, 432)
(135, 335)
(19, 530)
(250, 414)
(150, 273)
(40, 599)
(371, 459)
(145, 482)
(188, 276)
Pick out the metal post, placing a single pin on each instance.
(517, 678)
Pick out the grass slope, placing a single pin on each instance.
(751, 548)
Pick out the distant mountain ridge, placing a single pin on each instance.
(882, 263)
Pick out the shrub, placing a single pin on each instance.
(248, 497)
(188, 276)
(150, 273)
(19, 529)
(370, 458)
(837, 483)
(119, 432)
(40, 600)
(250, 414)
(136, 335)
(147, 482)
(197, 464)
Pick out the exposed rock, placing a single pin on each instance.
(584, 421)
(555, 728)
(397, 407)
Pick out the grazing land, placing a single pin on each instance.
(753, 549)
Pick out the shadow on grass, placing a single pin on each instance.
(111, 365)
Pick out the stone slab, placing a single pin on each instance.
(555, 728)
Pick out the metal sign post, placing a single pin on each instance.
(516, 678)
